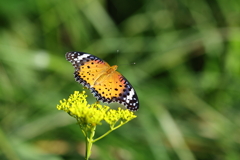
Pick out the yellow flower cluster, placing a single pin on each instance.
(113, 116)
(76, 105)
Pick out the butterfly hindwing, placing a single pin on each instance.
(116, 89)
(104, 82)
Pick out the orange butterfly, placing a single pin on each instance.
(104, 82)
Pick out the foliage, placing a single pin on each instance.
(186, 75)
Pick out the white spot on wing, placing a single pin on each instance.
(129, 97)
(79, 58)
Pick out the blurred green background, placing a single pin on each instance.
(187, 76)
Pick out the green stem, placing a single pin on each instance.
(102, 136)
(89, 142)
(112, 129)
(82, 128)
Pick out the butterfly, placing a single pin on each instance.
(105, 83)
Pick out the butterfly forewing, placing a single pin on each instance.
(87, 67)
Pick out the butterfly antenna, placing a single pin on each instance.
(122, 64)
(127, 64)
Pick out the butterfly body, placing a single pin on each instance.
(104, 82)
(105, 74)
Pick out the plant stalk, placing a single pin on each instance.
(89, 142)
